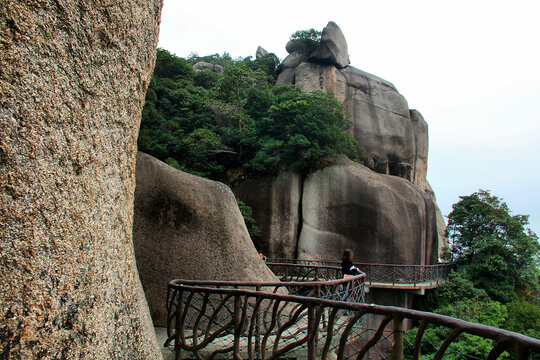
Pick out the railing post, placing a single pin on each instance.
(178, 324)
(312, 332)
(237, 326)
(258, 327)
(397, 346)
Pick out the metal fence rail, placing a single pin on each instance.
(386, 273)
(313, 314)
(211, 322)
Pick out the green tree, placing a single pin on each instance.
(304, 41)
(498, 251)
(300, 128)
(172, 67)
(247, 213)
(207, 123)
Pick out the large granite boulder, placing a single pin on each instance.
(420, 131)
(385, 219)
(287, 69)
(72, 85)
(395, 138)
(332, 49)
(188, 227)
(395, 144)
(275, 201)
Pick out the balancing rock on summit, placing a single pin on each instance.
(333, 47)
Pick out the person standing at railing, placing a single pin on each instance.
(348, 270)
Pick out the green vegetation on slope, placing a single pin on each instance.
(207, 123)
(496, 279)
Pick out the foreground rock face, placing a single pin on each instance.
(384, 219)
(72, 84)
(188, 227)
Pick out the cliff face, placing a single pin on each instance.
(347, 205)
(385, 219)
(73, 76)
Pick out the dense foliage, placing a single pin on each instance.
(304, 41)
(496, 277)
(207, 123)
(495, 248)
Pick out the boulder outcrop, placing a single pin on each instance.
(260, 52)
(72, 85)
(276, 205)
(394, 137)
(333, 48)
(383, 218)
(188, 227)
(388, 219)
(203, 65)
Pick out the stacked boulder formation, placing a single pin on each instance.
(385, 210)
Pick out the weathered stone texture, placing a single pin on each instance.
(188, 227)
(275, 201)
(73, 75)
(385, 219)
(380, 116)
(333, 48)
(260, 52)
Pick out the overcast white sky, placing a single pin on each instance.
(472, 68)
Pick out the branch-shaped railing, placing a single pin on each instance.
(253, 320)
(393, 274)
(229, 323)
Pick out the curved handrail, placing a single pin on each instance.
(319, 326)
(269, 320)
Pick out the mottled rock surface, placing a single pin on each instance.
(73, 76)
(287, 69)
(275, 201)
(333, 48)
(384, 219)
(347, 205)
(395, 144)
(188, 227)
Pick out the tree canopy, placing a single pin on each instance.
(304, 41)
(496, 278)
(207, 123)
(496, 248)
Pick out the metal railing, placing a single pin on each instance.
(209, 323)
(252, 320)
(394, 274)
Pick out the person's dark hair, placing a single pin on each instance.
(347, 255)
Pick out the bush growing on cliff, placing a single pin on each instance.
(304, 41)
